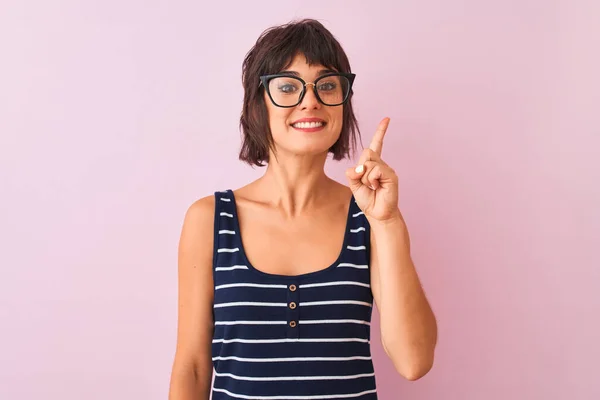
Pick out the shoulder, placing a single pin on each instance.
(340, 190)
(198, 223)
(201, 209)
(200, 212)
(344, 193)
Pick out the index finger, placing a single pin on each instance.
(377, 141)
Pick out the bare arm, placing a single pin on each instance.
(191, 374)
(408, 325)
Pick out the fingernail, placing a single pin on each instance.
(359, 169)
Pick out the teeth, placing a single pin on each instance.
(305, 125)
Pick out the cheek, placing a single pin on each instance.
(278, 122)
(277, 117)
(338, 119)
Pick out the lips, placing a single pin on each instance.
(309, 123)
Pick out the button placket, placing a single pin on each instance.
(293, 313)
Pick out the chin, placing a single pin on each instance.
(299, 143)
(310, 147)
(303, 150)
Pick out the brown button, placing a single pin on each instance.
(293, 288)
(293, 324)
(292, 305)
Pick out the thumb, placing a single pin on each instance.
(354, 175)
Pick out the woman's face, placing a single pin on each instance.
(310, 128)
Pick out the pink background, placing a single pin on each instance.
(116, 115)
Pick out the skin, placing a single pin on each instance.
(287, 221)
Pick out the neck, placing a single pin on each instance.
(294, 183)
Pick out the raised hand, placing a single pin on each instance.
(373, 183)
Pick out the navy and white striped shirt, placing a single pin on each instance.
(282, 337)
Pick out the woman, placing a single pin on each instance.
(277, 279)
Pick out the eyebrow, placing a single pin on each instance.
(321, 72)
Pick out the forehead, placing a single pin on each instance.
(301, 61)
(300, 65)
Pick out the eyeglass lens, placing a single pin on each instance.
(331, 90)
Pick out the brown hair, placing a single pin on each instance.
(273, 51)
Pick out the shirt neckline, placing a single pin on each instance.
(298, 276)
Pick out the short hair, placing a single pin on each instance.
(273, 52)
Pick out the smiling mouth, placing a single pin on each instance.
(308, 125)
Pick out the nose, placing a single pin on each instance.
(310, 101)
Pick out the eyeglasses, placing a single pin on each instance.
(286, 90)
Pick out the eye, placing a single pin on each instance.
(286, 85)
(327, 86)
(287, 88)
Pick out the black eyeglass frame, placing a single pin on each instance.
(265, 79)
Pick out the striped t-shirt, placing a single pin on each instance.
(291, 337)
